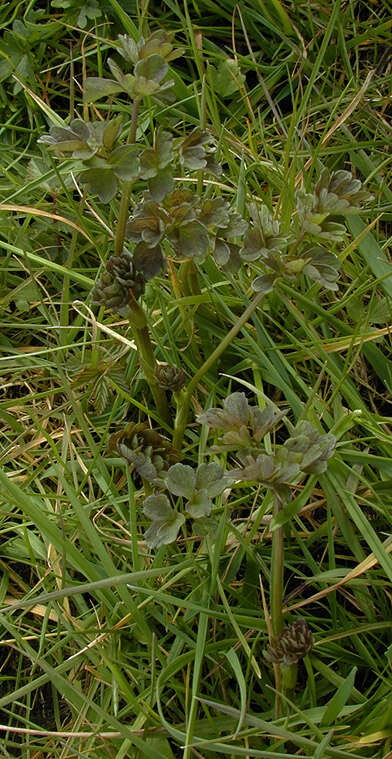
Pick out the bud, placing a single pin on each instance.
(170, 377)
(292, 645)
(119, 284)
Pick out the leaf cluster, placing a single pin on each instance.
(195, 487)
(149, 60)
(243, 428)
(79, 12)
(301, 250)
(193, 226)
(147, 452)
(104, 163)
(17, 45)
(190, 226)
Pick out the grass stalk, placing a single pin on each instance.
(183, 409)
(139, 326)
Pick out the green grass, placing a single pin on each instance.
(113, 650)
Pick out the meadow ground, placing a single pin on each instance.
(134, 630)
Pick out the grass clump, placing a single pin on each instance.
(196, 459)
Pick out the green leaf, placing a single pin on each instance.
(339, 193)
(63, 140)
(157, 507)
(6, 68)
(200, 505)
(125, 162)
(162, 533)
(81, 128)
(26, 295)
(144, 87)
(267, 469)
(265, 235)
(322, 267)
(147, 224)
(165, 521)
(193, 240)
(192, 151)
(264, 283)
(154, 68)
(234, 263)
(152, 160)
(215, 213)
(102, 182)
(164, 147)
(210, 477)
(310, 448)
(161, 185)
(128, 48)
(194, 157)
(148, 163)
(234, 415)
(117, 72)
(181, 480)
(95, 88)
(81, 138)
(110, 132)
(334, 707)
(264, 420)
(221, 252)
(228, 78)
(149, 261)
(237, 226)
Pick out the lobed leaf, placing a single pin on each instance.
(181, 480)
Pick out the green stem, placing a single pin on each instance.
(289, 677)
(296, 244)
(137, 317)
(186, 321)
(183, 410)
(126, 188)
(189, 278)
(138, 322)
(288, 674)
(277, 566)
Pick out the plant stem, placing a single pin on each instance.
(138, 322)
(137, 317)
(183, 410)
(186, 321)
(190, 281)
(126, 187)
(277, 566)
(287, 674)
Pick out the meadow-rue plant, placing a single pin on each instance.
(170, 223)
(192, 226)
(195, 459)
